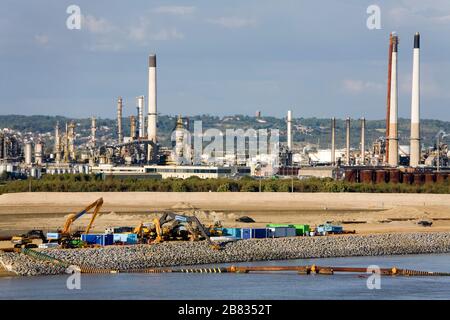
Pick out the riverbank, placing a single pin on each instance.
(168, 254)
(365, 213)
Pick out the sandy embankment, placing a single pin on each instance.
(379, 212)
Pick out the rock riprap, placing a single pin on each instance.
(168, 254)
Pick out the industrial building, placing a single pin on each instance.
(137, 153)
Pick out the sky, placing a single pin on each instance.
(317, 58)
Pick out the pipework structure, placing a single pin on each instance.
(415, 105)
(393, 115)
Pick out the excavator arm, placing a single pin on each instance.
(73, 217)
(190, 220)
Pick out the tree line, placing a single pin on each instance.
(96, 183)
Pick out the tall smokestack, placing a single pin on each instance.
(333, 141)
(119, 120)
(388, 102)
(151, 129)
(415, 105)
(132, 127)
(93, 132)
(393, 130)
(57, 144)
(347, 147)
(363, 141)
(289, 130)
(141, 120)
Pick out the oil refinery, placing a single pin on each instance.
(138, 153)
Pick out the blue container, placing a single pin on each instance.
(132, 238)
(233, 232)
(260, 233)
(246, 233)
(100, 239)
(281, 232)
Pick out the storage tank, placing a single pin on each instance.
(38, 152)
(366, 176)
(429, 177)
(380, 176)
(28, 153)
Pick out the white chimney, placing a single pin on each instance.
(415, 105)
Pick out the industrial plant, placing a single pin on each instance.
(138, 153)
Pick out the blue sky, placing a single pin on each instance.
(317, 58)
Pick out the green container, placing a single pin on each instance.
(301, 229)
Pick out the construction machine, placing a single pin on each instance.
(65, 237)
(172, 226)
(26, 240)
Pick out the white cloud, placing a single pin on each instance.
(41, 39)
(359, 86)
(175, 10)
(143, 32)
(96, 25)
(233, 22)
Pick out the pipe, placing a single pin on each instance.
(393, 129)
(289, 130)
(415, 105)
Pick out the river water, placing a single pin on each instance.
(247, 286)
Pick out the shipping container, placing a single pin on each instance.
(281, 232)
(100, 239)
(128, 238)
(301, 229)
(233, 232)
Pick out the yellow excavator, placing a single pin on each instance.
(172, 226)
(65, 237)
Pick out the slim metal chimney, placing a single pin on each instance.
(363, 141)
(132, 127)
(393, 129)
(93, 132)
(388, 102)
(333, 141)
(289, 130)
(152, 111)
(119, 120)
(415, 105)
(347, 148)
(141, 125)
(57, 144)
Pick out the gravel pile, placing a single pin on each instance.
(169, 254)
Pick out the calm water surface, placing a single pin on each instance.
(247, 286)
